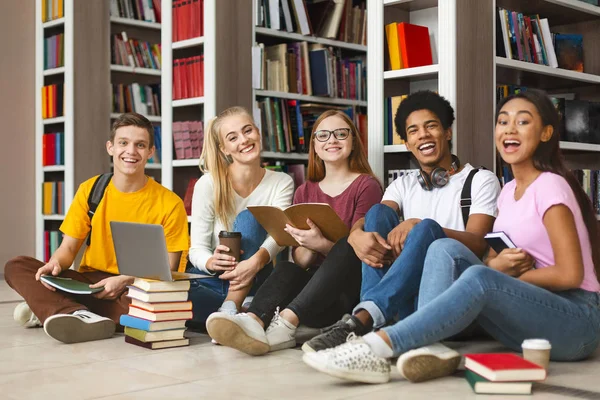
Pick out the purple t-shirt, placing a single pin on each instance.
(350, 205)
(523, 221)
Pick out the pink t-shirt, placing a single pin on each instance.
(522, 221)
(351, 205)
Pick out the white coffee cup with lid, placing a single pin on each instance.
(537, 351)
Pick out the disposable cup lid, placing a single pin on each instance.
(536, 344)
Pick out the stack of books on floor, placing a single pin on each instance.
(501, 373)
(157, 314)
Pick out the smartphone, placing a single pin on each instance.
(499, 241)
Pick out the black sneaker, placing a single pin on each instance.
(336, 334)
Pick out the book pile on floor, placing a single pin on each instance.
(501, 373)
(157, 314)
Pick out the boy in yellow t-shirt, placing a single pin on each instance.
(131, 197)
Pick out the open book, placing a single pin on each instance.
(274, 219)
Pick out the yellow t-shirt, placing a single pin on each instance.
(153, 204)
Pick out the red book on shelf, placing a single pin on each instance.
(189, 193)
(175, 22)
(50, 148)
(503, 367)
(201, 26)
(414, 45)
(201, 74)
(157, 10)
(176, 80)
(44, 150)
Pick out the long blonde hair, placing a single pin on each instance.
(357, 161)
(214, 161)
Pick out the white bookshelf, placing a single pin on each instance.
(297, 37)
(197, 108)
(440, 18)
(81, 122)
(316, 99)
(151, 118)
(284, 156)
(135, 70)
(580, 146)
(134, 22)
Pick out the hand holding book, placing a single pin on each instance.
(311, 239)
(513, 262)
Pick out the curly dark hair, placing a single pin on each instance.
(423, 100)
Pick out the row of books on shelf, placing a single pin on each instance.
(54, 51)
(309, 69)
(296, 171)
(53, 197)
(51, 242)
(188, 19)
(579, 119)
(590, 181)
(528, 38)
(188, 138)
(52, 9)
(53, 148)
(408, 45)
(393, 174)
(157, 314)
(142, 99)
(141, 10)
(286, 125)
(344, 20)
(134, 53)
(389, 112)
(52, 101)
(188, 77)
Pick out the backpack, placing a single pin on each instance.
(96, 195)
(465, 195)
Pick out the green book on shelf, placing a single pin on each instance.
(70, 285)
(481, 385)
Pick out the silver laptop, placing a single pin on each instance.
(141, 251)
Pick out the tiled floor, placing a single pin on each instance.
(33, 366)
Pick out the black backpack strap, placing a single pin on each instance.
(96, 195)
(465, 196)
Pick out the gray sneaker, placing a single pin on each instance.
(335, 334)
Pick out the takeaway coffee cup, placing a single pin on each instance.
(233, 240)
(537, 351)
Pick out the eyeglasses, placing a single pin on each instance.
(340, 134)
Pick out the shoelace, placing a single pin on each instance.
(336, 336)
(275, 321)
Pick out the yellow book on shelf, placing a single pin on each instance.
(44, 12)
(60, 8)
(391, 34)
(395, 103)
(50, 99)
(44, 102)
(47, 198)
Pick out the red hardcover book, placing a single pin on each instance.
(201, 84)
(157, 10)
(51, 148)
(504, 367)
(201, 27)
(189, 193)
(415, 47)
(176, 80)
(175, 22)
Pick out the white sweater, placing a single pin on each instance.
(276, 188)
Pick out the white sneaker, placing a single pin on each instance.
(428, 362)
(81, 326)
(239, 331)
(228, 308)
(281, 334)
(25, 317)
(353, 360)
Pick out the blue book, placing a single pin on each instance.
(149, 326)
(319, 72)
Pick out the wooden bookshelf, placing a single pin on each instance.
(268, 37)
(82, 123)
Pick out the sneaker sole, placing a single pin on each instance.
(425, 367)
(69, 329)
(283, 345)
(307, 349)
(229, 334)
(356, 376)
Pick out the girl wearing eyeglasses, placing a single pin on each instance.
(323, 281)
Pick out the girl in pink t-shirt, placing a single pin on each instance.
(323, 281)
(545, 288)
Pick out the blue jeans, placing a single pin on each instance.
(389, 292)
(208, 294)
(508, 309)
